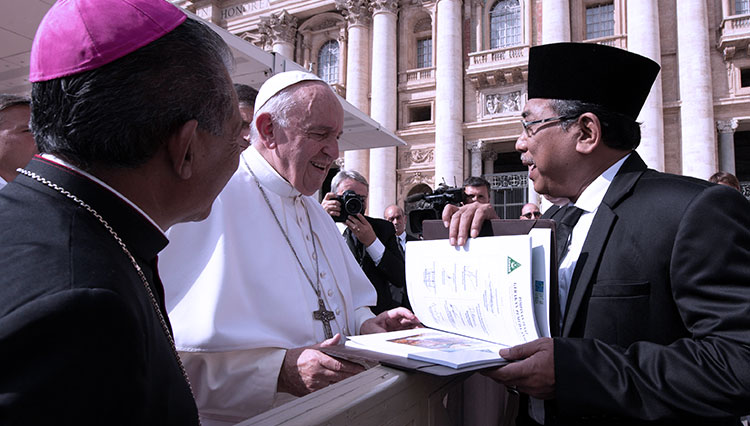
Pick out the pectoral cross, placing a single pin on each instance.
(325, 316)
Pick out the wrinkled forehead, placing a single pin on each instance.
(316, 103)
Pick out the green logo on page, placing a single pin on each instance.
(512, 265)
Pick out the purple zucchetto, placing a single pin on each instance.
(81, 35)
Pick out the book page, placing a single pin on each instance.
(541, 253)
(482, 290)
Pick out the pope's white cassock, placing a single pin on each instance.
(237, 297)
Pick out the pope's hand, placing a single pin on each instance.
(307, 369)
(533, 371)
(331, 206)
(466, 221)
(392, 320)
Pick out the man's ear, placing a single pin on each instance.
(265, 127)
(590, 135)
(181, 149)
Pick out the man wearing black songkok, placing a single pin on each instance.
(655, 306)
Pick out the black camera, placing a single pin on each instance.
(351, 205)
(431, 205)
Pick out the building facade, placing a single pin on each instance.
(449, 78)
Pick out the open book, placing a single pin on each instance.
(474, 300)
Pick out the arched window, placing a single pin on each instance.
(505, 24)
(328, 62)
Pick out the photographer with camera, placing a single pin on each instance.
(372, 241)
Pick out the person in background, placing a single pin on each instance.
(372, 242)
(86, 338)
(246, 96)
(16, 141)
(253, 301)
(655, 323)
(530, 211)
(724, 178)
(477, 190)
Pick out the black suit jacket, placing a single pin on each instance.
(389, 272)
(80, 343)
(657, 327)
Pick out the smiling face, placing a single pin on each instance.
(304, 150)
(549, 151)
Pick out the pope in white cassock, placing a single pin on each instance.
(266, 279)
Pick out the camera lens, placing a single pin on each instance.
(353, 206)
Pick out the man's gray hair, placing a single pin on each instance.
(342, 175)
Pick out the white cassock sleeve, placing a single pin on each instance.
(236, 385)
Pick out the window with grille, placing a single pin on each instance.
(600, 20)
(328, 62)
(741, 7)
(505, 24)
(424, 53)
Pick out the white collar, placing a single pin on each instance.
(59, 160)
(593, 195)
(268, 177)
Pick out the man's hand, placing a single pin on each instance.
(361, 229)
(392, 320)
(466, 221)
(533, 371)
(306, 369)
(331, 206)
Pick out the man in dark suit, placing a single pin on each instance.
(655, 325)
(396, 215)
(84, 333)
(372, 241)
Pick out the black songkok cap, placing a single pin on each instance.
(607, 76)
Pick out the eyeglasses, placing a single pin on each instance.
(527, 124)
(529, 214)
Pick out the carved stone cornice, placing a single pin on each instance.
(384, 6)
(416, 178)
(489, 155)
(417, 157)
(474, 146)
(281, 26)
(727, 126)
(356, 12)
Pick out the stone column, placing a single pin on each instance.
(279, 29)
(696, 96)
(475, 150)
(342, 55)
(726, 9)
(556, 21)
(488, 158)
(449, 100)
(479, 25)
(726, 144)
(643, 38)
(384, 104)
(357, 14)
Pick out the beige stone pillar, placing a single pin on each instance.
(696, 96)
(357, 14)
(726, 144)
(449, 101)
(488, 159)
(280, 30)
(475, 151)
(478, 25)
(384, 104)
(726, 8)
(556, 21)
(643, 38)
(342, 55)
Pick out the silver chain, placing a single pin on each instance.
(283, 231)
(135, 264)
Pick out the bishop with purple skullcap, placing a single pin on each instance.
(81, 35)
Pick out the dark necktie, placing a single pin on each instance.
(401, 246)
(564, 229)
